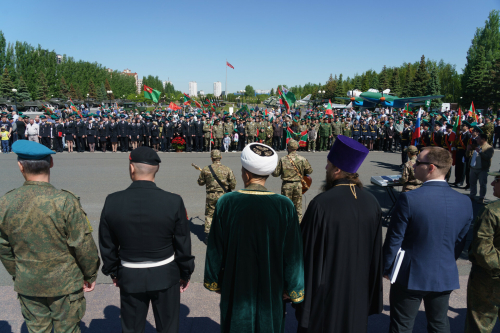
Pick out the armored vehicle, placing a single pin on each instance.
(131, 106)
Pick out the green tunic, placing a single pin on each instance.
(254, 255)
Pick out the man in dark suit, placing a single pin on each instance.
(389, 135)
(145, 248)
(199, 133)
(430, 224)
(123, 133)
(81, 133)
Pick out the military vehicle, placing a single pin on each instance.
(7, 103)
(131, 106)
(272, 101)
(33, 106)
(60, 103)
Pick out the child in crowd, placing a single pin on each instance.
(226, 142)
(5, 136)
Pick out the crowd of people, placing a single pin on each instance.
(329, 263)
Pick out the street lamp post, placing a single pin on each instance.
(321, 94)
(14, 91)
(109, 92)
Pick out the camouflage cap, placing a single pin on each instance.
(292, 144)
(215, 154)
(411, 149)
(495, 174)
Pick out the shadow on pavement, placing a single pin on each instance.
(196, 324)
(198, 230)
(388, 166)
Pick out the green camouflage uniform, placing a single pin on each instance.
(347, 129)
(488, 129)
(269, 135)
(262, 132)
(214, 191)
(46, 245)
(218, 132)
(292, 186)
(206, 134)
(336, 130)
(325, 130)
(408, 178)
(251, 131)
(228, 128)
(483, 288)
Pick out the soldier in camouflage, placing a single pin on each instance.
(214, 191)
(483, 289)
(488, 129)
(408, 177)
(207, 131)
(46, 245)
(292, 185)
(218, 133)
(251, 130)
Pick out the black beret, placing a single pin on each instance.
(144, 155)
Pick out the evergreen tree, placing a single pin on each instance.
(78, 93)
(406, 92)
(494, 91)
(72, 92)
(43, 88)
(339, 91)
(63, 88)
(433, 88)
(478, 83)
(366, 81)
(272, 92)
(383, 80)
(101, 93)
(22, 92)
(108, 88)
(357, 82)
(374, 83)
(395, 83)
(330, 87)
(6, 85)
(92, 91)
(3, 45)
(419, 82)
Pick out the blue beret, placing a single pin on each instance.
(30, 150)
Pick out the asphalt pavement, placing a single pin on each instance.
(92, 176)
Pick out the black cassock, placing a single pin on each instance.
(342, 237)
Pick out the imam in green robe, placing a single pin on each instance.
(254, 256)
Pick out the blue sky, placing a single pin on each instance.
(268, 42)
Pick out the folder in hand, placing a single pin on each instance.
(396, 266)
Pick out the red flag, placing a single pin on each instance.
(148, 89)
(228, 64)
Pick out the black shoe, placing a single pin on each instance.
(467, 187)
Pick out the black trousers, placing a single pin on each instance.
(166, 308)
(21, 136)
(404, 154)
(80, 144)
(58, 145)
(495, 140)
(46, 142)
(124, 143)
(276, 142)
(388, 144)
(405, 304)
(460, 167)
(198, 143)
(397, 141)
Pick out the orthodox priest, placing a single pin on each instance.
(342, 239)
(254, 252)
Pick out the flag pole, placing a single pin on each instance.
(225, 92)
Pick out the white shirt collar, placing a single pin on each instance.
(435, 180)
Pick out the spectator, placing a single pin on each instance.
(32, 131)
(5, 136)
(479, 166)
(432, 233)
(483, 301)
(496, 133)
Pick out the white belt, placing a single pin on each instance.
(147, 264)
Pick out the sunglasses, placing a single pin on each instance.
(417, 163)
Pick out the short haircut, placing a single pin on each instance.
(36, 167)
(254, 176)
(483, 136)
(145, 169)
(440, 157)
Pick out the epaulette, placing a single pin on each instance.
(71, 194)
(11, 190)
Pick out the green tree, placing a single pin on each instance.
(406, 91)
(478, 83)
(494, 91)
(108, 88)
(433, 88)
(330, 87)
(374, 83)
(23, 93)
(339, 90)
(92, 92)
(383, 80)
(3, 45)
(6, 85)
(101, 93)
(272, 92)
(63, 88)
(43, 88)
(72, 92)
(395, 83)
(419, 83)
(249, 91)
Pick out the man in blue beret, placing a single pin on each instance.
(43, 225)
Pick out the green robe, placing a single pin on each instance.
(254, 255)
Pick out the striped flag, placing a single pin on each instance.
(416, 134)
(229, 65)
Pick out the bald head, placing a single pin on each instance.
(142, 171)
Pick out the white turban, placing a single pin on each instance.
(259, 159)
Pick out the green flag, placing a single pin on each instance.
(151, 94)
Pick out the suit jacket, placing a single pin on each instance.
(389, 132)
(145, 223)
(431, 225)
(198, 128)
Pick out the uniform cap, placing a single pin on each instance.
(477, 129)
(292, 144)
(412, 149)
(259, 159)
(495, 174)
(30, 150)
(347, 154)
(214, 154)
(144, 155)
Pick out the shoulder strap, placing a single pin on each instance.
(296, 170)
(218, 180)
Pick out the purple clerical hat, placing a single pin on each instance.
(347, 154)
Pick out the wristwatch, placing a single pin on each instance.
(112, 275)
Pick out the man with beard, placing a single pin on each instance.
(342, 237)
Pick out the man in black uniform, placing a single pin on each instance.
(461, 142)
(405, 141)
(123, 133)
(44, 132)
(145, 248)
(80, 133)
(199, 133)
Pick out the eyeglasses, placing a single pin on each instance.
(417, 163)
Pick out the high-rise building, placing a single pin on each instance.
(59, 59)
(193, 88)
(217, 89)
(139, 85)
(165, 83)
(201, 93)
